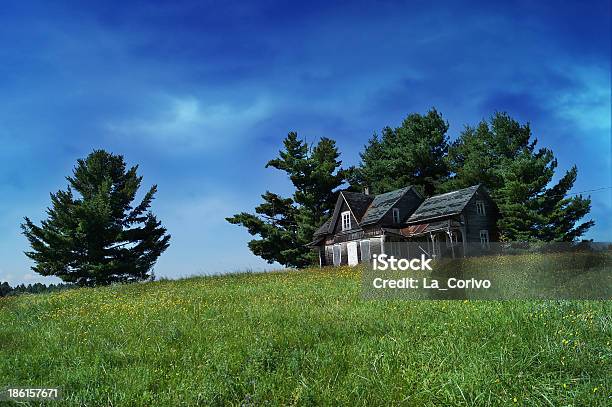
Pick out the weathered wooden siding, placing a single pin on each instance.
(338, 226)
(375, 248)
(476, 222)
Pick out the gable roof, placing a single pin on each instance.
(357, 202)
(381, 204)
(367, 209)
(450, 203)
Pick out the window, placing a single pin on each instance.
(365, 251)
(484, 238)
(480, 207)
(396, 216)
(346, 220)
(337, 253)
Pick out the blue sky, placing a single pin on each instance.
(200, 95)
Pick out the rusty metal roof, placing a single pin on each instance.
(423, 228)
(415, 229)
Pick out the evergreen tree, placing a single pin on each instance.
(96, 236)
(502, 155)
(286, 225)
(5, 289)
(412, 154)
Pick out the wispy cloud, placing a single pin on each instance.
(189, 123)
(588, 103)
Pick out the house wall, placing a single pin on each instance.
(375, 248)
(373, 235)
(476, 222)
(338, 225)
(329, 251)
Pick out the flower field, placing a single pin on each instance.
(301, 338)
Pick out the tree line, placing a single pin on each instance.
(499, 153)
(6, 289)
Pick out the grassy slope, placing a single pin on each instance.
(301, 338)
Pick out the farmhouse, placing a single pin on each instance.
(444, 225)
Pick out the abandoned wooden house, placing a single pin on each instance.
(444, 225)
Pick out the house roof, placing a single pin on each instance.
(323, 229)
(367, 209)
(358, 202)
(381, 204)
(447, 204)
(317, 240)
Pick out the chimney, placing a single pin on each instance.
(366, 190)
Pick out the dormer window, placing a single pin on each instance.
(396, 216)
(346, 220)
(480, 207)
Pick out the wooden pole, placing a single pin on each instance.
(464, 240)
(433, 245)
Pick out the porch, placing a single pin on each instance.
(444, 238)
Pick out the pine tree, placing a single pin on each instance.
(286, 225)
(502, 155)
(5, 289)
(93, 236)
(412, 154)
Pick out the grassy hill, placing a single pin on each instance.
(301, 338)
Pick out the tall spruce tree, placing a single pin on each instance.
(286, 225)
(411, 154)
(502, 155)
(96, 236)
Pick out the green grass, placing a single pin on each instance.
(302, 338)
